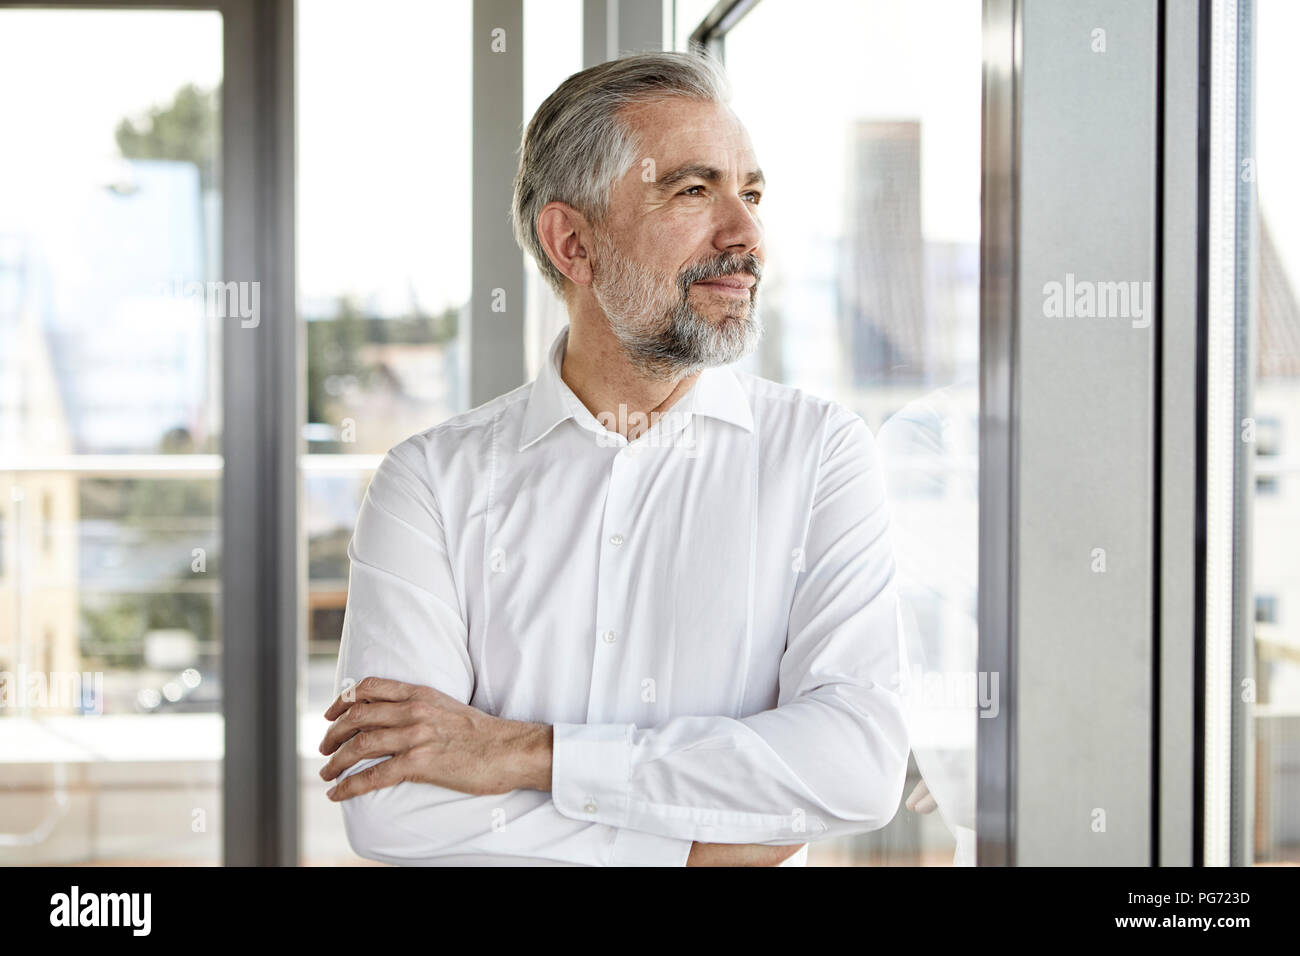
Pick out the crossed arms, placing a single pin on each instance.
(435, 739)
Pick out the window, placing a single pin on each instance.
(1275, 529)
(871, 298)
(552, 53)
(111, 437)
(1267, 431)
(384, 281)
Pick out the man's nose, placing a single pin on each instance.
(739, 232)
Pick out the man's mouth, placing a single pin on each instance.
(736, 285)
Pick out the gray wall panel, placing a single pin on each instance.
(1085, 438)
(495, 337)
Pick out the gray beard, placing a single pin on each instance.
(662, 336)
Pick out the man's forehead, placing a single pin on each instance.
(679, 130)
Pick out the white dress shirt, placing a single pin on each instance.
(707, 615)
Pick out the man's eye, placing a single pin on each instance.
(687, 190)
(758, 197)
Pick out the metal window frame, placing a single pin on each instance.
(1181, 425)
(611, 28)
(1181, 536)
(995, 820)
(1231, 270)
(1079, 642)
(495, 337)
(711, 33)
(264, 405)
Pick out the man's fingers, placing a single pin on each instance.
(387, 773)
(921, 800)
(364, 716)
(371, 688)
(384, 742)
(919, 791)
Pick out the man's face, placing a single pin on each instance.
(679, 256)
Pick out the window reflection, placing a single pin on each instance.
(871, 298)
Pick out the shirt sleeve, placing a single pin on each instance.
(831, 758)
(403, 622)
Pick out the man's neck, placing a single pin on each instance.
(598, 372)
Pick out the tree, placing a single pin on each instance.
(187, 129)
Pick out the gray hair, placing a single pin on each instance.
(577, 147)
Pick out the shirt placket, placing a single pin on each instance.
(614, 629)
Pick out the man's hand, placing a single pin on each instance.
(740, 854)
(430, 737)
(920, 800)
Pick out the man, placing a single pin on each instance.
(641, 610)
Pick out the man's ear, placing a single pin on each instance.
(561, 230)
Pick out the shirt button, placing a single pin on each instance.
(616, 539)
(610, 637)
(590, 806)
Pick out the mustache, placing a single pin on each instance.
(726, 266)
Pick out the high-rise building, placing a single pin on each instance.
(882, 302)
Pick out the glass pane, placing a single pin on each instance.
(871, 298)
(552, 53)
(687, 15)
(384, 279)
(110, 326)
(1276, 505)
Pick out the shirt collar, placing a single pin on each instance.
(717, 393)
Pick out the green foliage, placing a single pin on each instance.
(333, 356)
(187, 129)
(115, 632)
(173, 515)
(335, 348)
(176, 503)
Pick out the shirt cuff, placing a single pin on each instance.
(638, 848)
(591, 772)
(591, 779)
